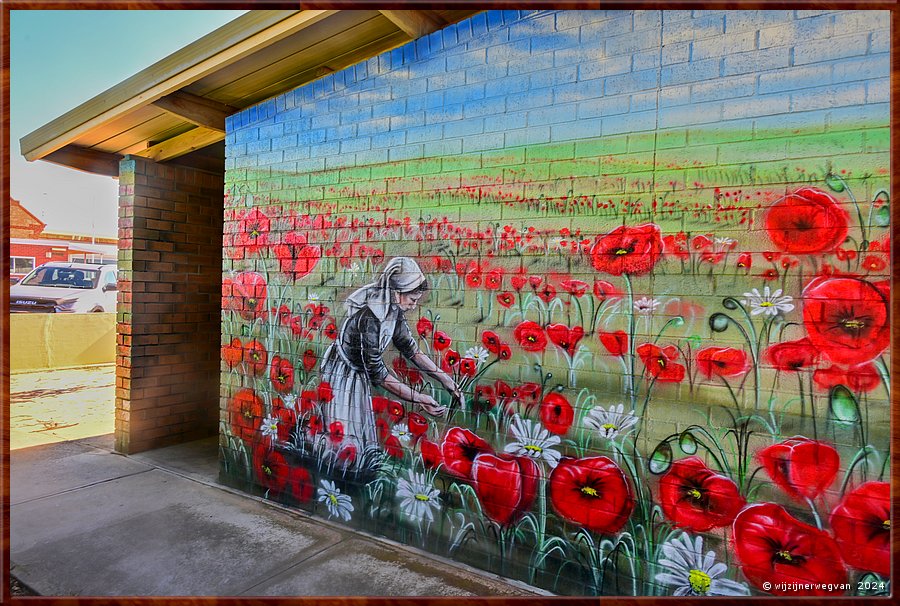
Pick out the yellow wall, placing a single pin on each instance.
(39, 341)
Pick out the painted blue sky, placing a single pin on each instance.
(59, 59)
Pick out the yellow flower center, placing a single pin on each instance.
(767, 304)
(589, 491)
(333, 499)
(422, 497)
(621, 251)
(533, 448)
(267, 470)
(853, 324)
(694, 493)
(609, 426)
(699, 581)
(785, 555)
(886, 524)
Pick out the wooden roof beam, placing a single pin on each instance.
(196, 110)
(87, 160)
(182, 144)
(415, 24)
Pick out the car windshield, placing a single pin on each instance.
(63, 277)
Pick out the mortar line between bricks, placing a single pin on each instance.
(77, 488)
(360, 534)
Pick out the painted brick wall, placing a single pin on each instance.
(167, 346)
(657, 251)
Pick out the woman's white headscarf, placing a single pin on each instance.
(400, 275)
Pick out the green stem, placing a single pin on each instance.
(815, 513)
(631, 345)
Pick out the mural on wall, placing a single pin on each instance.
(627, 384)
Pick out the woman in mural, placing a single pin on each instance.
(354, 363)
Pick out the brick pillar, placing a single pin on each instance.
(168, 341)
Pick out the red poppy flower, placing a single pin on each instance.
(808, 221)
(504, 353)
(592, 492)
(467, 367)
(769, 275)
(722, 362)
(576, 288)
(379, 404)
(776, 552)
(330, 331)
(503, 390)
(451, 359)
(393, 448)
(347, 454)
(459, 450)
(245, 410)
(309, 360)
(325, 392)
(383, 429)
(628, 250)
(248, 296)
(789, 262)
(745, 261)
(771, 255)
(701, 242)
(565, 338)
(493, 279)
(336, 432)
(253, 231)
(847, 319)
(603, 290)
(660, 362)
(874, 263)
(256, 356)
(860, 379)
(518, 281)
(316, 425)
(556, 413)
(491, 341)
(296, 257)
(862, 526)
(474, 279)
(547, 293)
(424, 327)
(287, 419)
(676, 247)
(283, 313)
(792, 356)
(411, 375)
(282, 374)
(271, 469)
(535, 281)
(431, 454)
(395, 411)
(417, 424)
(801, 467)
(530, 336)
(505, 485)
(529, 394)
(308, 400)
(506, 299)
(844, 254)
(485, 396)
(233, 353)
(696, 498)
(616, 343)
(300, 484)
(442, 340)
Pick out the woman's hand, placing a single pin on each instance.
(431, 406)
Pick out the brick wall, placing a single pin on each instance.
(170, 223)
(657, 251)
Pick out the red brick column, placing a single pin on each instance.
(168, 342)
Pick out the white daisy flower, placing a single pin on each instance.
(269, 427)
(645, 306)
(724, 242)
(313, 297)
(402, 433)
(290, 401)
(478, 353)
(419, 498)
(338, 505)
(691, 573)
(610, 423)
(533, 441)
(768, 303)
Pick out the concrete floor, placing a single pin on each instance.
(85, 521)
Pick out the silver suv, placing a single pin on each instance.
(66, 288)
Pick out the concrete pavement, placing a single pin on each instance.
(87, 521)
